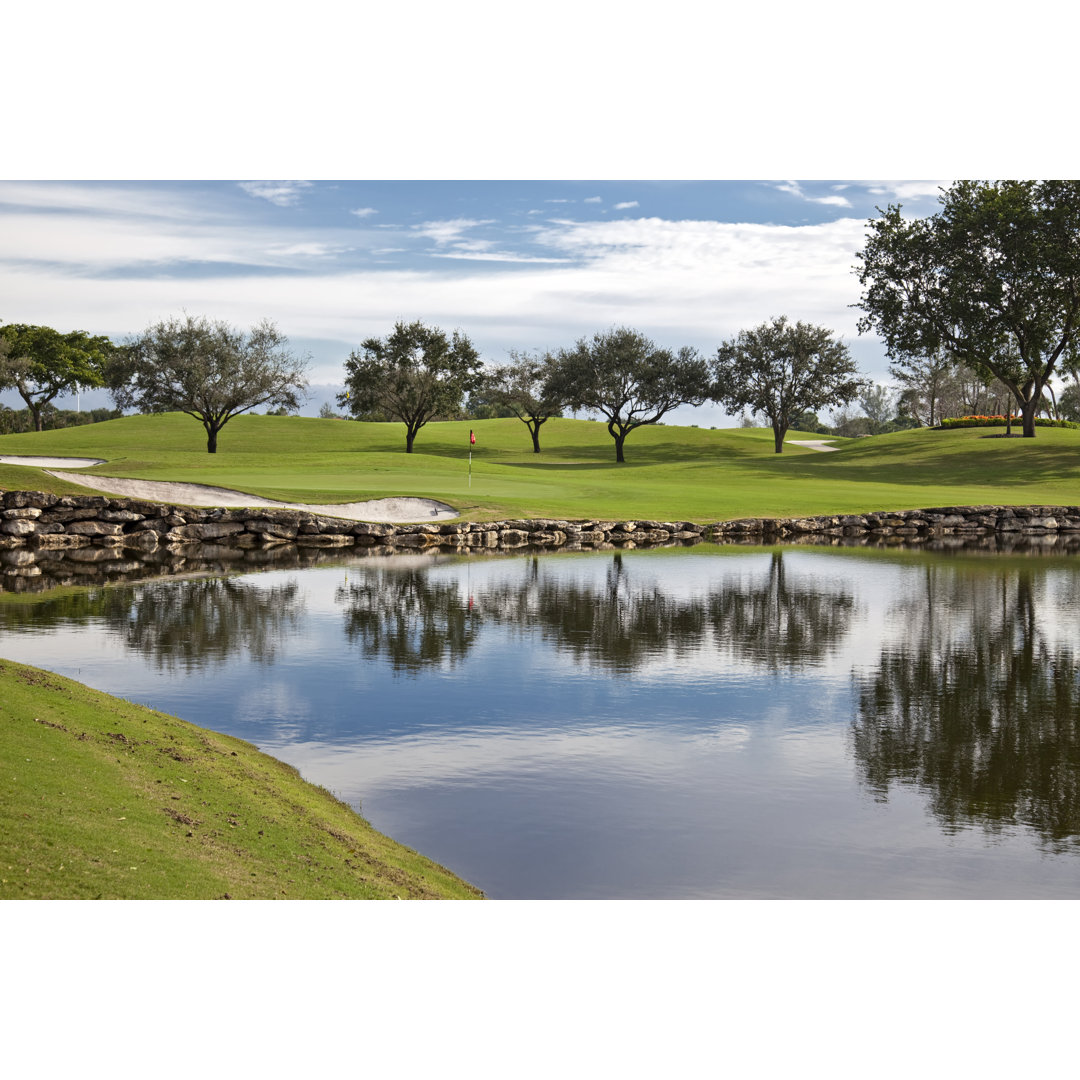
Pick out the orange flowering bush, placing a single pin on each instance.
(999, 421)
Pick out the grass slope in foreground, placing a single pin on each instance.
(671, 473)
(103, 799)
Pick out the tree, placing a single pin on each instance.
(208, 370)
(923, 381)
(992, 279)
(1069, 402)
(808, 420)
(42, 363)
(879, 404)
(413, 375)
(524, 388)
(783, 369)
(629, 380)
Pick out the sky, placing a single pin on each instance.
(514, 264)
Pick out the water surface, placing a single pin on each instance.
(725, 722)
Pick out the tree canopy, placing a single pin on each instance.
(413, 375)
(628, 379)
(207, 369)
(525, 388)
(782, 370)
(42, 363)
(992, 279)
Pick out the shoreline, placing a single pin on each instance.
(41, 521)
(167, 809)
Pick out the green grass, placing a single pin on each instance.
(671, 472)
(100, 798)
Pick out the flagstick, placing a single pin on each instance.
(470, 468)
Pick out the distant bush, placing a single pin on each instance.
(999, 421)
(14, 421)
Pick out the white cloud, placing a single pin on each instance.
(681, 282)
(911, 189)
(313, 249)
(100, 199)
(593, 199)
(449, 231)
(792, 187)
(495, 256)
(278, 192)
(97, 243)
(626, 205)
(364, 211)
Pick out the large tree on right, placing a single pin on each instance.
(992, 280)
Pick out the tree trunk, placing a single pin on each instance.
(39, 420)
(1027, 413)
(619, 440)
(778, 437)
(534, 430)
(211, 440)
(409, 436)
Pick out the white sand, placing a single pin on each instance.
(399, 510)
(811, 444)
(52, 462)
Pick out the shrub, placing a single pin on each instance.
(999, 421)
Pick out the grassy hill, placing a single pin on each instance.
(670, 473)
(105, 799)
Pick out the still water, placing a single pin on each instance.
(730, 722)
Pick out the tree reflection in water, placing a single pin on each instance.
(979, 707)
(777, 624)
(179, 625)
(414, 621)
(401, 614)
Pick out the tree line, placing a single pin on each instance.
(986, 292)
(213, 372)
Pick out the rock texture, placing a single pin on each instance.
(96, 532)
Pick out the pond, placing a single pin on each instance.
(716, 722)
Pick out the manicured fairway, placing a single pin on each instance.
(671, 472)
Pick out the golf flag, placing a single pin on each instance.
(472, 438)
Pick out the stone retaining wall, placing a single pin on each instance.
(44, 522)
(967, 522)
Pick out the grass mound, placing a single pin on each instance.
(105, 799)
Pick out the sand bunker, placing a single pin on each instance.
(397, 510)
(812, 444)
(52, 462)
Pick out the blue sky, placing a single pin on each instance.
(515, 264)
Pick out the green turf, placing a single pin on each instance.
(100, 798)
(671, 472)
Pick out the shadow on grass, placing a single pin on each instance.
(1011, 464)
(570, 466)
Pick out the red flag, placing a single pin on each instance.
(472, 439)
